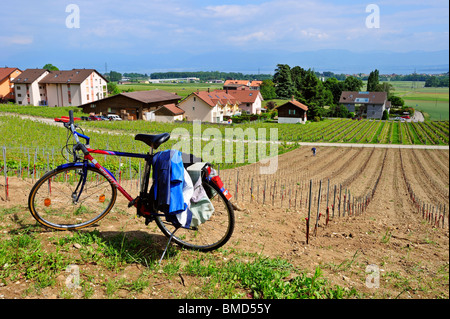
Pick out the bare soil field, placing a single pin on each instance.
(389, 231)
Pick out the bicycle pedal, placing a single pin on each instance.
(133, 202)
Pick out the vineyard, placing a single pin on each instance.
(339, 211)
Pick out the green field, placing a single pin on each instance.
(181, 89)
(433, 102)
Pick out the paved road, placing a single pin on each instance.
(435, 147)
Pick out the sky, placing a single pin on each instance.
(158, 35)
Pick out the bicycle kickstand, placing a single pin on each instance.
(167, 246)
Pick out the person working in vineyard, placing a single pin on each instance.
(313, 151)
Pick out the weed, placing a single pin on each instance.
(386, 237)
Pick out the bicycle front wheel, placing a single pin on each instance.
(210, 235)
(69, 198)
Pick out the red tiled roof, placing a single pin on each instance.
(5, 72)
(295, 103)
(256, 83)
(244, 96)
(170, 108)
(212, 98)
(241, 82)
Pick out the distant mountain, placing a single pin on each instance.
(245, 61)
(337, 61)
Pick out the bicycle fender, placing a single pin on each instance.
(80, 165)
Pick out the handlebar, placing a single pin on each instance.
(71, 126)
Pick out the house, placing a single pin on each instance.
(75, 87)
(28, 90)
(209, 106)
(168, 113)
(249, 100)
(255, 85)
(372, 104)
(241, 85)
(131, 105)
(7, 75)
(292, 112)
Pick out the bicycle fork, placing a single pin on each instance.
(76, 194)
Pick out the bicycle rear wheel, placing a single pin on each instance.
(210, 235)
(68, 198)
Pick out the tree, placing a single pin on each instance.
(115, 76)
(313, 93)
(339, 110)
(396, 101)
(335, 87)
(352, 84)
(283, 80)
(113, 89)
(267, 89)
(50, 67)
(297, 75)
(373, 81)
(385, 87)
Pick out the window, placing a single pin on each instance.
(291, 112)
(195, 99)
(87, 96)
(193, 108)
(19, 95)
(18, 87)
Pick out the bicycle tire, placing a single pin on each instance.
(212, 234)
(52, 203)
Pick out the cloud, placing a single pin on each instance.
(16, 39)
(199, 26)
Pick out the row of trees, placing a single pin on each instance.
(437, 81)
(305, 86)
(210, 75)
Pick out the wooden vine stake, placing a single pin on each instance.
(309, 212)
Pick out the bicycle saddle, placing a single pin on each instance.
(154, 141)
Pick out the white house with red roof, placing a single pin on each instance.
(209, 106)
(250, 101)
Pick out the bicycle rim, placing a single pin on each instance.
(60, 200)
(210, 235)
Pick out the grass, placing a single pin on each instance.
(181, 89)
(88, 264)
(433, 102)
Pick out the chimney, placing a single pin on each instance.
(292, 99)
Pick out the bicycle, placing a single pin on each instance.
(80, 193)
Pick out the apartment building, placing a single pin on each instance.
(59, 88)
